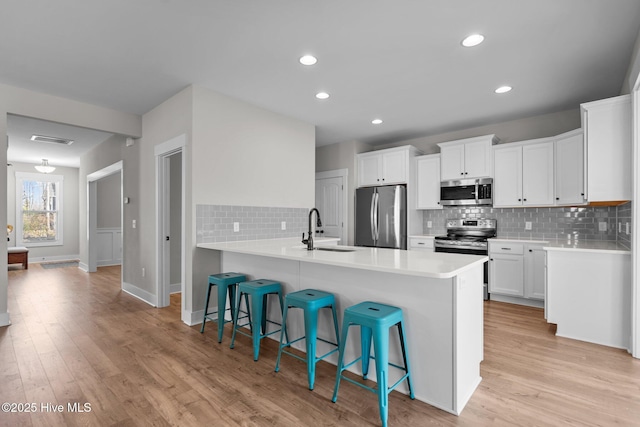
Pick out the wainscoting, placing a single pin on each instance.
(109, 246)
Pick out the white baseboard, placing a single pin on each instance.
(109, 263)
(84, 267)
(4, 319)
(39, 259)
(192, 317)
(516, 300)
(175, 288)
(141, 294)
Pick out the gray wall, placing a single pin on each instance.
(109, 201)
(109, 152)
(70, 248)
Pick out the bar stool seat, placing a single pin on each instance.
(226, 283)
(375, 320)
(310, 301)
(259, 290)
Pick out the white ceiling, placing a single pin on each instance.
(399, 60)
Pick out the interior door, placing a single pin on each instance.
(329, 201)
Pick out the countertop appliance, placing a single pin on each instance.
(468, 236)
(381, 217)
(467, 192)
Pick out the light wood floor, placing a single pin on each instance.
(77, 337)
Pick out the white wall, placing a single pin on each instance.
(70, 248)
(47, 107)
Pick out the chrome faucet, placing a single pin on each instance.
(309, 240)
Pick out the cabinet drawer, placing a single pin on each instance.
(421, 243)
(506, 248)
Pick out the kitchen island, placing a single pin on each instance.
(439, 293)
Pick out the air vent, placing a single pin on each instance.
(51, 140)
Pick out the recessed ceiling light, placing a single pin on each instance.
(322, 95)
(376, 121)
(308, 60)
(473, 40)
(503, 89)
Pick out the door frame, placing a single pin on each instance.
(92, 216)
(162, 153)
(635, 221)
(344, 174)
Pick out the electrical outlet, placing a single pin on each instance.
(527, 225)
(144, 272)
(283, 225)
(429, 224)
(236, 227)
(627, 228)
(133, 223)
(602, 226)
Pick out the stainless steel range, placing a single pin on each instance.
(468, 236)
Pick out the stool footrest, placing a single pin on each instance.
(371, 389)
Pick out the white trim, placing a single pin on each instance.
(84, 267)
(41, 259)
(104, 172)
(139, 293)
(5, 320)
(175, 288)
(635, 221)
(193, 317)
(161, 152)
(344, 174)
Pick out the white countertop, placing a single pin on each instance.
(571, 245)
(414, 263)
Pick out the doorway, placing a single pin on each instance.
(331, 201)
(170, 191)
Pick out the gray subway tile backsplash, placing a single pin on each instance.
(214, 223)
(574, 223)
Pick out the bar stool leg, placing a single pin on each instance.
(259, 322)
(222, 306)
(343, 343)
(365, 333)
(235, 320)
(284, 322)
(311, 335)
(405, 358)
(206, 308)
(381, 352)
(282, 308)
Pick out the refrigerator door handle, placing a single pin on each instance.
(396, 214)
(372, 216)
(375, 217)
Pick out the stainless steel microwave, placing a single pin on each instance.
(467, 192)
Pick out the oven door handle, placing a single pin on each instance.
(477, 201)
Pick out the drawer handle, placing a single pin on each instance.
(421, 243)
(506, 249)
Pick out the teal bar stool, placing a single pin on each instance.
(259, 290)
(226, 283)
(374, 319)
(310, 301)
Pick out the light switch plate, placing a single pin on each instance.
(283, 225)
(627, 228)
(429, 224)
(527, 225)
(236, 227)
(619, 227)
(602, 226)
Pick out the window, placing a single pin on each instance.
(38, 209)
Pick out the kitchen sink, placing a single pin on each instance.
(334, 249)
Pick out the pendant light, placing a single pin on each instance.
(44, 167)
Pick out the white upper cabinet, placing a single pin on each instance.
(385, 167)
(428, 182)
(523, 174)
(607, 137)
(537, 174)
(466, 158)
(570, 168)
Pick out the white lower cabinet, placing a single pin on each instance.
(517, 270)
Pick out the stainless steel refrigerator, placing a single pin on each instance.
(381, 217)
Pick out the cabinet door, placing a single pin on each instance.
(507, 176)
(394, 167)
(428, 185)
(570, 170)
(452, 162)
(506, 275)
(537, 174)
(477, 159)
(535, 274)
(369, 170)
